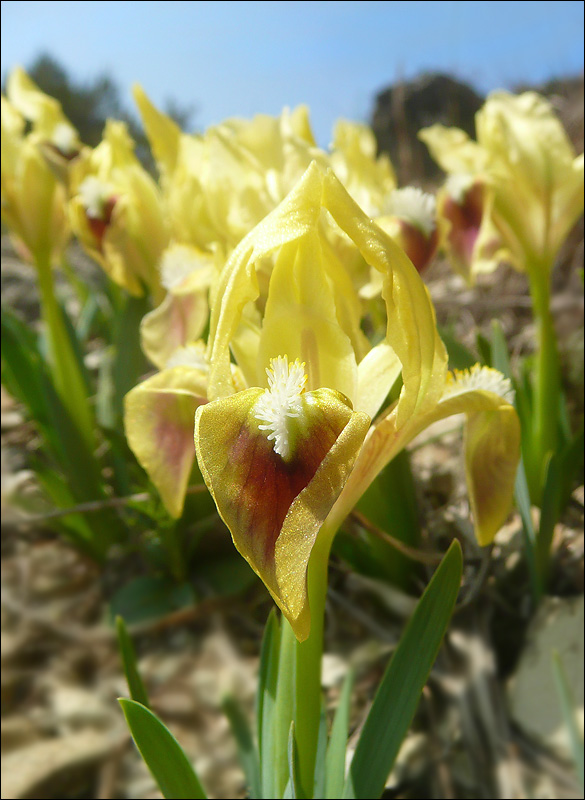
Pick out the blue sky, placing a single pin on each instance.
(240, 58)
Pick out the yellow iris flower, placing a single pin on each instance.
(288, 458)
(34, 201)
(116, 212)
(531, 182)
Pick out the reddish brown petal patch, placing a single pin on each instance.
(465, 219)
(253, 486)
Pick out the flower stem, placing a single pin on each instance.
(67, 377)
(308, 666)
(546, 384)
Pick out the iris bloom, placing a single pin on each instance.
(116, 212)
(33, 199)
(55, 135)
(519, 191)
(521, 175)
(287, 458)
(218, 185)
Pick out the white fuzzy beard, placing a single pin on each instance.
(281, 401)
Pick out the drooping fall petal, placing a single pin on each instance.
(492, 446)
(179, 320)
(275, 462)
(492, 443)
(159, 414)
(468, 234)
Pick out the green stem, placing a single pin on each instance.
(67, 377)
(547, 382)
(308, 666)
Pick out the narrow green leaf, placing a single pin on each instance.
(549, 514)
(460, 357)
(568, 707)
(22, 365)
(129, 362)
(73, 527)
(335, 770)
(484, 349)
(246, 749)
(265, 700)
(27, 377)
(398, 694)
(293, 785)
(282, 713)
(321, 756)
(571, 465)
(128, 655)
(77, 351)
(390, 502)
(87, 318)
(162, 754)
(500, 356)
(501, 361)
(63, 356)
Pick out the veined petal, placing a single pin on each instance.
(300, 319)
(186, 273)
(492, 447)
(368, 178)
(275, 463)
(158, 418)
(238, 285)
(492, 443)
(411, 329)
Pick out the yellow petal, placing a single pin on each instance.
(492, 443)
(39, 205)
(377, 373)
(159, 420)
(453, 150)
(177, 321)
(238, 284)
(367, 177)
(44, 112)
(163, 132)
(300, 319)
(121, 220)
(274, 506)
(524, 154)
(539, 183)
(492, 447)
(411, 330)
